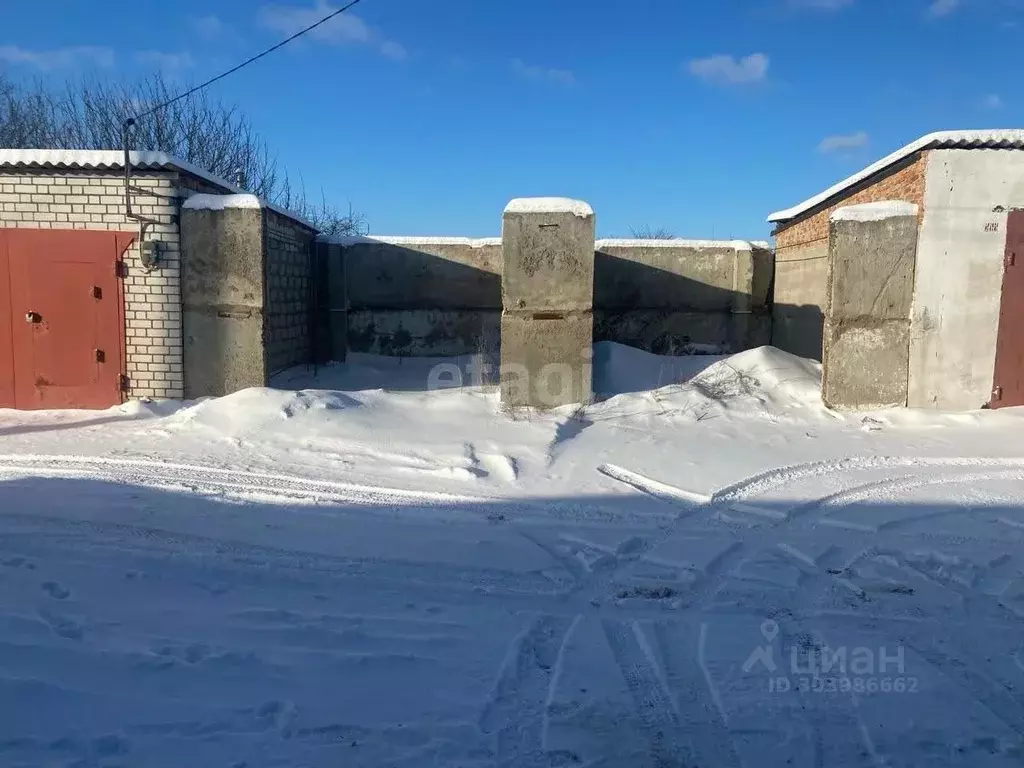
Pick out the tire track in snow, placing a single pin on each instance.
(782, 476)
(981, 671)
(648, 687)
(967, 673)
(874, 490)
(697, 701)
(819, 713)
(229, 482)
(736, 494)
(516, 717)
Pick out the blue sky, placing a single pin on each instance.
(700, 116)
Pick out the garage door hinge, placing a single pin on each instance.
(119, 269)
(122, 383)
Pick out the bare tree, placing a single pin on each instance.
(198, 129)
(650, 233)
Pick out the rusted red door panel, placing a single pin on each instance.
(6, 342)
(67, 317)
(1008, 379)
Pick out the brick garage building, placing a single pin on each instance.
(86, 321)
(966, 185)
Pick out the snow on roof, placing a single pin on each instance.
(739, 245)
(414, 240)
(992, 139)
(549, 205)
(221, 202)
(874, 211)
(110, 159)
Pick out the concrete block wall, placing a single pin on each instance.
(95, 200)
(872, 256)
(682, 296)
(423, 296)
(289, 285)
(427, 296)
(247, 287)
(801, 256)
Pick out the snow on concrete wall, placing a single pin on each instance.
(958, 280)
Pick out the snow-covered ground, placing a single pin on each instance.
(718, 572)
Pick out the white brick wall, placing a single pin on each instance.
(153, 343)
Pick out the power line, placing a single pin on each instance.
(131, 120)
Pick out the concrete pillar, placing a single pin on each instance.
(872, 254)
(223, 299)
(547, 293)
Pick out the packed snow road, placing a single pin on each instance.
(151, 625)
(195, 590)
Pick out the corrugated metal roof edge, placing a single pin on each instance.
(990, 139)
(113, 160)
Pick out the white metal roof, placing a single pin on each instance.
(110, 159)
(991, 139)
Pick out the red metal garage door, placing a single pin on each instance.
(62, 340)
(1008, 380)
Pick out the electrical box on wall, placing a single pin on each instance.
(149, 254)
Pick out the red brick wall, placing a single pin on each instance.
(902, 182)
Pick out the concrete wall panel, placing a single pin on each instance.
(423, 332)
(423, 274)
(866, 364)
(872, 250)
(677, 297)
(800, 295)
(959, 275)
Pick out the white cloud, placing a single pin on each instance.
(940, 8)
(534, 72)
(843, 142)
(729, 70)
(166, 61)
(992, 101)
(393, 50)
(346, 29)
(58, 58)
(212, 28)
(821, 5)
